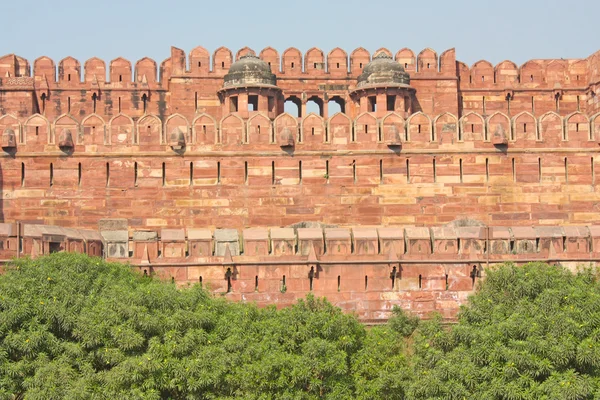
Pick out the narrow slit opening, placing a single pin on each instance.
(245, 172)
(164, 174)
(79, 171)
(272, 172)
(299, 172)
(218, 172)
(191, 173)
(51, 174)
(135, 174)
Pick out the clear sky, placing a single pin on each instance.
(494, 30)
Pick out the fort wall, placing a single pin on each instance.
(181, 146)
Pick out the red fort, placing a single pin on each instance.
(191, 170)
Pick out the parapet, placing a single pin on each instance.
(401, 243)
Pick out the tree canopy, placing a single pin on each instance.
(81, 328)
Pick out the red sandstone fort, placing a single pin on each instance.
(192, 170)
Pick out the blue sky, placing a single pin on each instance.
(498, 30)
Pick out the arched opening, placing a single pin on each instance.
(335, 105)
(293, 106)
(315, 105)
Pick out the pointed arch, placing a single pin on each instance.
(446, 129)
(595, 127)
(393, 124)
(472, 127)
(204, 129)
(577, 126)
(284, 121)
(365, 129)
(149, 130)
(550, 127)
(36, 130)
(9, 121)
(519, 129)
(232, 129)
(177, 121)
(419, 127)
(313, 129)
(66, 121)
(499, 123)
(339, 128)
(93, 129)
(121, 130)
(259, 129)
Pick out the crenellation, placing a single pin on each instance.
(396, 181)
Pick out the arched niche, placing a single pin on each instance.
(260, 130)
(36, 131)
(339, 127)
(121, 131)
(313, 129)
(177, 122)
(524, 127)
(149, 131)
(204, 130)
(446, 128)
(393, 125)
(94, 130)
(550, 128)
(472, 128)
(66, 122)
(286, 121)
(232, 130)
(498, 124)
(366, 129)
(419, 128)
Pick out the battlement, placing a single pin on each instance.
(199, 62)
(195, 169)
(361, 269)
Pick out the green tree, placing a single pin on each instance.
(80, 328)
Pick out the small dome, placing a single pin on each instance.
(383, 71)
(249, 70)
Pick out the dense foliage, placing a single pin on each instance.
(79, 328)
